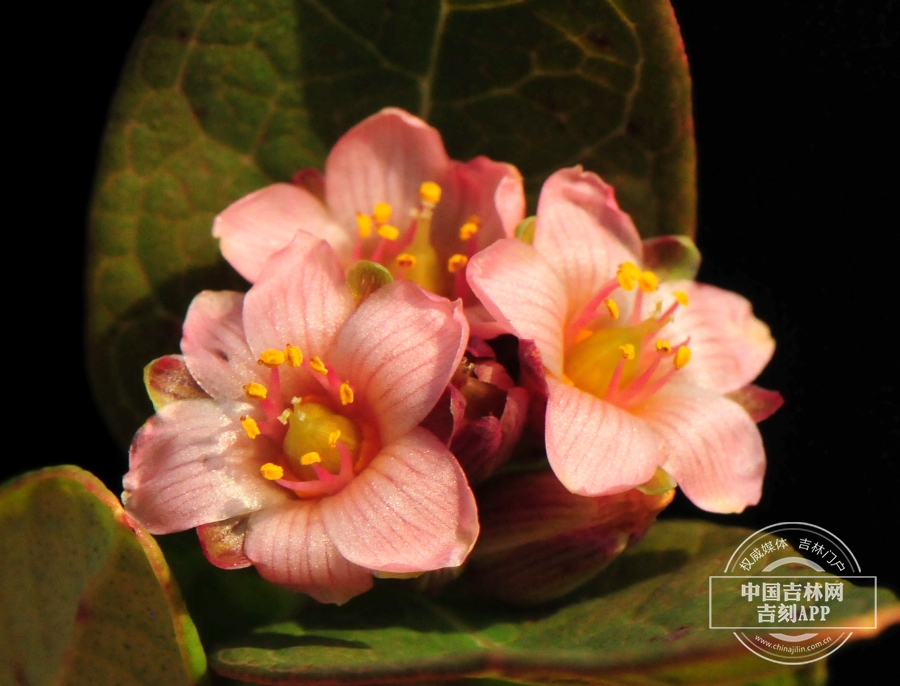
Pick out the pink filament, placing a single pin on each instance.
(589, 311)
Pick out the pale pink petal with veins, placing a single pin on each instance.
(410, 510)
(289, 546)
(192, 463)
(257, 226)
(215, 346)
(399, 350)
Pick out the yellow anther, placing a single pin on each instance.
(271, 471)
(293, 355)
(430, 193)
(631, 269)
(296, 400)
(681, 297)
(388, 232)
(627, 351)
(663, 346)
(612, 308)
(271, 358)
(682, 357)
(255, 391)
(317, 365)
(333, 438)
(250, 426)
(310, 458)
(346, 394)
(456, 262)
(284, 416)
(382, 213)
(625, 281)
(364, 222)
(406, 260)
(628, 275)
(468, 230)
(648, 281)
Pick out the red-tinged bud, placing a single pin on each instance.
(482, 413)
(539, 542)
(484, 444)
(533, 380)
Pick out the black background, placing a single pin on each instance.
(796, 129)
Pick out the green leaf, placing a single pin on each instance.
(220, 98)
(225, 603)
(85, 594)
(644, 621)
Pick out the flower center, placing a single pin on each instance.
(623, 363)
(324, 441)
(411, 254)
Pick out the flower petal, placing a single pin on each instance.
(215, 346)
(594, 447)
(729, 346)
(582, 232)
(192, 463)
(483, 445)
(712, 447)
(255, 227)
(492, 191)
(447, 416)
(289, 546)
(398, 351)
(384, 158)
(520, 289)
(301, 298)
(409, 510)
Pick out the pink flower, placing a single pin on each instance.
(616, 343)
(308, 451)
(390, 194)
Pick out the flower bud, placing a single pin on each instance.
(539, 541)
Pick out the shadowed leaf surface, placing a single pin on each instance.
(85, 595)
(220, 98)
(644, 621)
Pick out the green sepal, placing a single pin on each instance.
(366, 277)
(660, 482)
(672, 257)
(168, 379)
(525, 230)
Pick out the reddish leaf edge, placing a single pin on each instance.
(181, 621)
